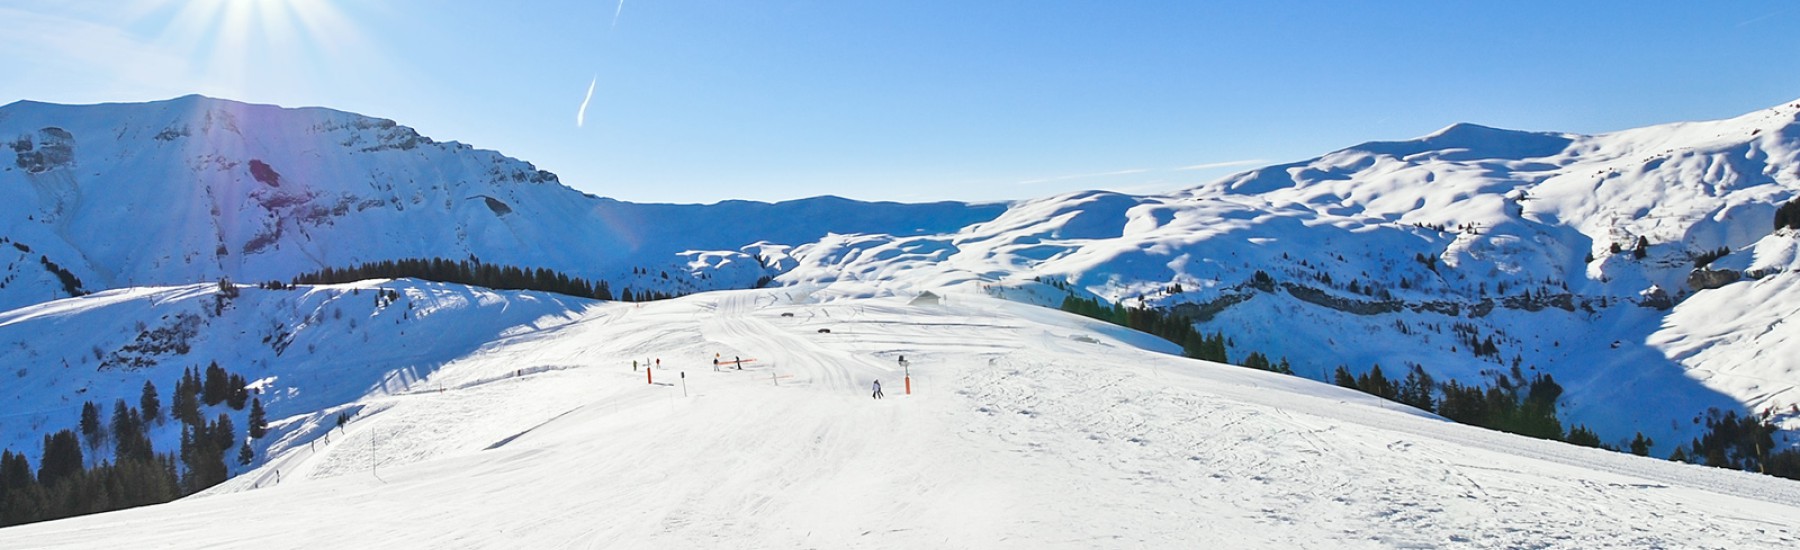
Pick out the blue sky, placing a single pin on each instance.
(700, 101)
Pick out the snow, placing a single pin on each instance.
(194, 189)
(487, 418)
(312, 349)
(1027, 427)
(1496, 213)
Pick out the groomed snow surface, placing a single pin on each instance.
(1026, 428)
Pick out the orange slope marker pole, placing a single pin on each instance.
(908, 369)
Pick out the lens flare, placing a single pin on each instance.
(228, 42)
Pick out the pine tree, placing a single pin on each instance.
(1416, 389)
(259, 421)
(90, 425)
(1641, 445)
(1788, 215)
(204, 458)
(223, 432)
(1376, 384)
(237, 391)
(217, 386)
(1581, 435)
(185, 404)
(16, 488)
(127, 433)
(15, 471)
(1258, 361)
(1463, 404)
(150, 404)
(245, 454)
(61, 458)
(187, 445)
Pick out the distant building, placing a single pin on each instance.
(926, 298)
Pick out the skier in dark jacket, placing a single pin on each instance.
(877, 390)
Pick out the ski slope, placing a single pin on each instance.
(1027, 428)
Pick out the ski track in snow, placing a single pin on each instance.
(1028, 428)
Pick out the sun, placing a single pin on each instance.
(229, 41)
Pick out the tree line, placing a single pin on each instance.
(1527, 406)
(1745, 442)
(1168, 327)
(474, 272)
(1788, 215)
(1512, 403)
(64, 485)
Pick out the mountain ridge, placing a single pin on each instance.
(256, 192)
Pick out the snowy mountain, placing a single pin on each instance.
(1412, 252)
(194, 188)
(1471, 252)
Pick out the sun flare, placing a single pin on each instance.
(222, 37)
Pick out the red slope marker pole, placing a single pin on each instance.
(648, 378)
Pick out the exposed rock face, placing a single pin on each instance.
(1655, 297)
(52, 148)
(499, 207)
(1707, 279)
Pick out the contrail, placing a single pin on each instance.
(616, 13)
(581, 114)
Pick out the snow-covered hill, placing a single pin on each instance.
(1026, 428)
(1390, 253)
(1382, 252)
(194, 188)
(310, 352)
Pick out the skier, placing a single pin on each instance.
(877, 390)
(715, 364)
(739, 361)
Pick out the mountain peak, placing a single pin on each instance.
(1468, 141)
(1470, 130)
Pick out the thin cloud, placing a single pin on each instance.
(581, 114)
(616, 12)
(1159, 186)
(105, 60)
(1756, 20)
(1085, 176)
(1226, 164)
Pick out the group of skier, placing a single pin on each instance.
(737, 362)
(903, 365)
